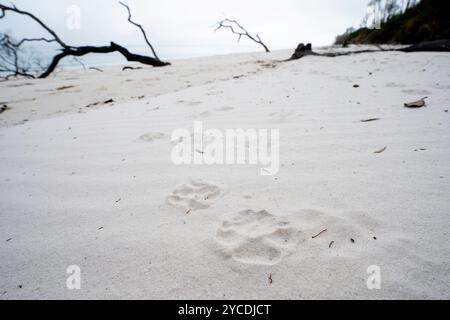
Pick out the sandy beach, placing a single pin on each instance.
(87, 180)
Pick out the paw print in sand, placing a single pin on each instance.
(257, 237)
(194, 196)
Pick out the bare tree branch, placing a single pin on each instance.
(9, 55)
(240, 31)
(4, 9)
(22, 41)
(16, 68)
(142, 30)
(113, 47)
(79, 62)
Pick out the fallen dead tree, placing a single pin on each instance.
(431, 46)
(10, 64)
(303, 50)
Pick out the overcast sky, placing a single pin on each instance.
(280, 23)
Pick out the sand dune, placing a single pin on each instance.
(92, 184)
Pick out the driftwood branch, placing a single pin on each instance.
(430, 46)
(113, 47)
(240, 31)
(306, 50)
(12, 48)
(141, 28)
(303, 50)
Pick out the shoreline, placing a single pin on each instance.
(122, 61)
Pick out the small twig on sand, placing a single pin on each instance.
(131, 68)
(65, 88)
(381, 150)
(319, 233)
(96, 69)
(370, 120)
(99, 102)
(331, 244)
(189, 211)
(270, 279)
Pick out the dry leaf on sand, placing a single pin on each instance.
(370, 120)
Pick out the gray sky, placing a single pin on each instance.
(281, 23)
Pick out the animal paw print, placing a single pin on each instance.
(194, 196)
(256, 237)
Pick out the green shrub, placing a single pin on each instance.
(426, 21)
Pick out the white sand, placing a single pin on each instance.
(63, 173)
